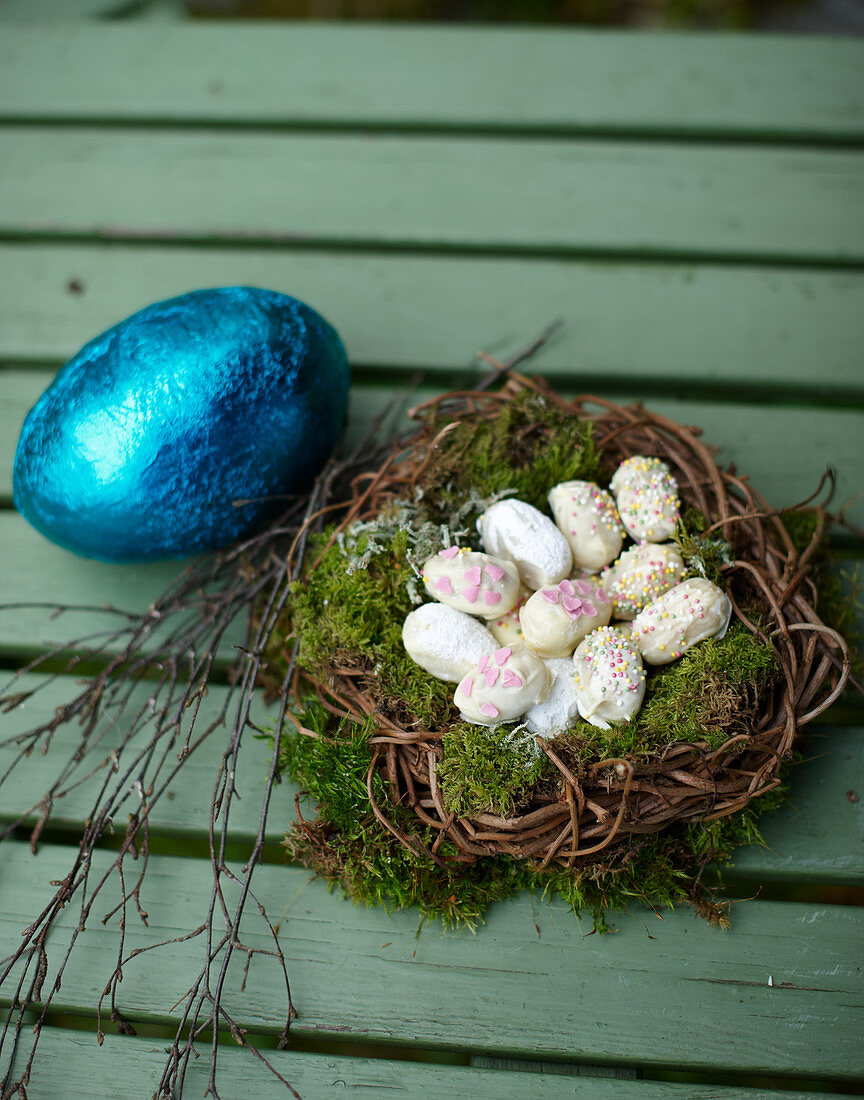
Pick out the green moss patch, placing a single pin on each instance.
(488, 770)
(529, 448)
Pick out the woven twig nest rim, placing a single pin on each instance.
(612, 799)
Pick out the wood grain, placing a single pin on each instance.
(670, 991)
(454, 78)
(71, 1066)
(511, 196)
(646, 324)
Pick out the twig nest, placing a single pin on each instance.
(556, 619)
(640, 575)
(518, 532)
(647, 498)
(470, 581)
(587, 517)
(445, 642)
(560, 708)
(610, 679)
(506, 628)
(689, 613)
(502, 686)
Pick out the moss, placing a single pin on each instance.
(801, 524)
(488, 770)
(529, 448)
(704, 555)
(711, 693)
(352, 850)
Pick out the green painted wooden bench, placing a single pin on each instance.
(691, 209)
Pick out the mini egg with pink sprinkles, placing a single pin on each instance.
(506, 627)
(556, 618)
(472, 582)
(502, 686)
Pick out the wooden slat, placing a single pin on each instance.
(815, 837)
(779, 992)
(605, 198)
(71, 1066)
(574, 81)
(647, 322)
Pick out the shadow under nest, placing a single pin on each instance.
(602, 820)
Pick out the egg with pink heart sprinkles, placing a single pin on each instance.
(470, 581)
(556, 619)
(502, 687)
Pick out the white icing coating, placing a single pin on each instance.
(587, 517)
(469, 581)
(556, 619)
(640, 575)
(638, 468)
(506, 628)
(518, 532)
(688, 613)
(560, 709)
(647, 498)
(500, 688)
(445, 642)
(610, 679)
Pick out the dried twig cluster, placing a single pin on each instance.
(173, 650)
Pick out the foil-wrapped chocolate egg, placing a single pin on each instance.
(183, 427)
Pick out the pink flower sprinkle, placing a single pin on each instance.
(492, 598)
(449, 553)
(467, 686)
(550, 594)
(495, 572)
(484, 663)
(573, 606)
(588, 609)
(472, 576)
(583, 588)
(511, 679)
(491, 675)
(443, 585)
(471, 594)
(601, 595)
(489, 709)
(566, 587)
(501, 655)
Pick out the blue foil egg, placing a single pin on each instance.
(145, 440)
